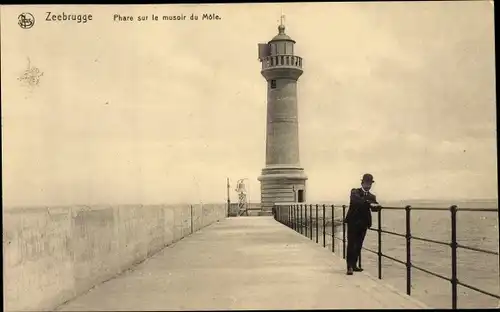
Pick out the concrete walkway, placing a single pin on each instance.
(242, 263)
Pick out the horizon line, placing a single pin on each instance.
(440, 200)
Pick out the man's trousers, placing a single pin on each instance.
(355, 237)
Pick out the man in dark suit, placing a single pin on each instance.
(359, 219)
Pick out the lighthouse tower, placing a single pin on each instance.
(282, 179)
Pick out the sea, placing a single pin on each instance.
(476, 229)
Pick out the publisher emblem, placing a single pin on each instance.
(26, 20)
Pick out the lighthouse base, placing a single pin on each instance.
(281, 185)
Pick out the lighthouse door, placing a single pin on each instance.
(300, 196)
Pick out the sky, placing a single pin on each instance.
(164, 111)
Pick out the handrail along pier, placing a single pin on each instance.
(285, 214)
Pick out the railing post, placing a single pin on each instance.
(408, 250)
(305, 219)
(324, 225)
(379, 252)
(454, 280)
(317, 221)
(289, 216)
(311, 220)
(285, 209)
(360, 265)
(299, 216)
(343, 231)
(333, 228)
(300, 220)
(296, 217)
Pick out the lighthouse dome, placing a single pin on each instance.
(281, 36)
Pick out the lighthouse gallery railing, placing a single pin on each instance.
(296, 217)
(282, 60)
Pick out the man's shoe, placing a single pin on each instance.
(349, 271)
(356, 269)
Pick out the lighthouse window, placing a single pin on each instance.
(273, 49)
(281, 48)
(273, 84)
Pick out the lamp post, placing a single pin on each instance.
(228, 198)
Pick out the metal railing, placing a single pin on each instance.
(291, 215)
(282, 60)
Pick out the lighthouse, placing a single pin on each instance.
(282, 179)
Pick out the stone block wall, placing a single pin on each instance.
(54, 254)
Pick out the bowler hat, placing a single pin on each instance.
(368, 178)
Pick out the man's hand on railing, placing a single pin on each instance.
(375, 207)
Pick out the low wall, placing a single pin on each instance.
(54, 254)
(234, 209)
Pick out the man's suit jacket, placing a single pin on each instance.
(359, 213)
